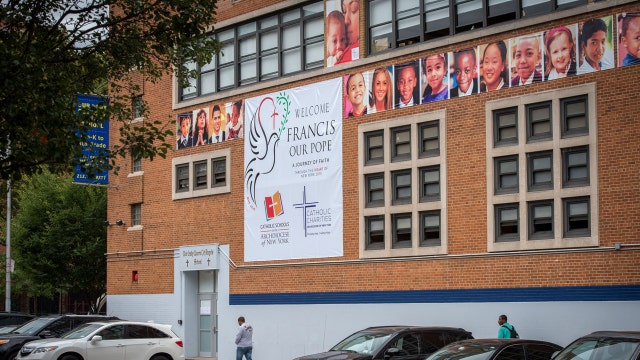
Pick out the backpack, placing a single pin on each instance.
(512, 331)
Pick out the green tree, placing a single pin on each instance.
(53, 50)
(58, 237)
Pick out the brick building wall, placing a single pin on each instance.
(169, 224)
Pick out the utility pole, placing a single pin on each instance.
(7, 300)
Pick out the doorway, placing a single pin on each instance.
(207, 314)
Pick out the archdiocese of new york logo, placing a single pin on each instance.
(273, 205)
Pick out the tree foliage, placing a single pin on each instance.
(58, 236)
(53, 50)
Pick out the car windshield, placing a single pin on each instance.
(467, 351)
(32, 327)
(601, 349)
(363, 343)
(81, 331)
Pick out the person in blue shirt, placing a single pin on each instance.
(503, 332)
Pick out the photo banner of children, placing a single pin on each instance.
(342, 31)
(552, 54)
(629, 38)
(210, 124)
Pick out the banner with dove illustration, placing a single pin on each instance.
(293, 173)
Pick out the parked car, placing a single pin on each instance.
(40, 328)
(14, 318)
(383, 342)
(497, 349)
(7, 329)
(603, 345)
(108, 340)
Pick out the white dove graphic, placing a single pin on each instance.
(261, 146)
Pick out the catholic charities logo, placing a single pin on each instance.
(273, 205)
(315, 220)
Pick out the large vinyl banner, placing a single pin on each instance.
(293, 173)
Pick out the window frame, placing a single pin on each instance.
(215, 174)
(531, 122)
(424, 196)
(198, 176)
(567, 217)
(423, 228)
(396, 144)
(136, 214)
(396, 231)
(378, 245)
(369, 190)
(217, 70)
(532, 220)
(182, 175)
(447, 18)
(558, 97)
(498, 175)
(423, 140)
(497, 127)
(397, 188)
(567, 167)
(507, 237)
(532, 171)
(566, 118)
(414, 164)
(212, 188)
(369, 148)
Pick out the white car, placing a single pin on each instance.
(109, 340)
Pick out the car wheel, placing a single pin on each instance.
(161, 357)
(69, 357)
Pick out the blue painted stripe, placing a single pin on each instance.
(577, 293)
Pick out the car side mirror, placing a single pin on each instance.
(391, 352)
(96, 338)
(46, 334)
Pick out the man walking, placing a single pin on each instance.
(506, 330)
(244, 340)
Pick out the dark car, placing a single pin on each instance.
(14, 318)
(603, 345)
(41, 328)
(497, 349)
(385, 342)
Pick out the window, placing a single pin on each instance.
(559, 208)
(182, 178)
(401, 143)
(574, 114)
(397, 23)
(429, 139)
(205, 180)
(200, 175)
(539, 121)
(137, 107)
(375, 190)
(430, 183)
(256, 51)
(541, 220)
(401, 230)
(115, 332)
(401, 187)
(136, 164)
(507, 222)
(575, 166)
(576, 217)
(219, 168)
(375, 232)
(374, 147)
(505, 127)
(540, 170)
(402, 196)
(506, 174)
(136, 214)
(430, 226)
